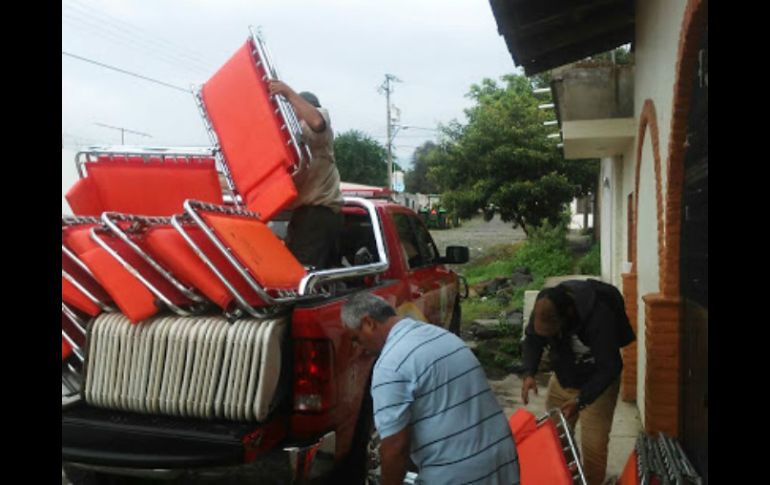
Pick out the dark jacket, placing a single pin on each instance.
(587, 356)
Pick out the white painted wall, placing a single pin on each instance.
(606, 236)
(647, 256)
(658, 25)
(619, 229)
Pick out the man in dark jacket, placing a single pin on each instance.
(584, 325)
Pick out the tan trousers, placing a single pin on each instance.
(595, 423)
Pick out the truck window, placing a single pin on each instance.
(409, 244)
(426, 245)
(358, 233)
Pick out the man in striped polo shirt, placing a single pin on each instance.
(431, 401)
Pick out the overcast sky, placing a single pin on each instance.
(339, 49)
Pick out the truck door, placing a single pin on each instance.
(430, 284)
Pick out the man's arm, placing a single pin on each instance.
(305, 111)
(532, 351)
(392, 396)
(532, 348)
(394, 456)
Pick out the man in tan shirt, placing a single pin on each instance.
(316, 220)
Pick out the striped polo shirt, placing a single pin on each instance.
(427, 378)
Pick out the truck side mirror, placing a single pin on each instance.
(456, 255)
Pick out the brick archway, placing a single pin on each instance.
(695, 20)
(663, 309)
(648, 121)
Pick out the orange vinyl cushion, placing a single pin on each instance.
(630, 475)
(269, 261)
(129, 294)
(171, 250)
(150, 188)
(249, 131)
(71, 295)
(66, 350)
(522, 423)
(83, 198)
(86, 281)
(541, 459)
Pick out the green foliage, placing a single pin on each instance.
(546, 253)
(591, 263)
(495, 263)
(502, 161)
(490, 271)
(361, 159)
(417, 180)
(475, 308)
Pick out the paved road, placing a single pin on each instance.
(478, 235)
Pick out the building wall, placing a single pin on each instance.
(606, 211)
(613, 220)
(658, 24)
(620, 199)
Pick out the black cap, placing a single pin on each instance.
(310, 98)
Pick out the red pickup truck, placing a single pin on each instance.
(319, 416)
(193, 343)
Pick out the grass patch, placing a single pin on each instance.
(591, 263)
(475, 308)
(498, 261)
(545, 254)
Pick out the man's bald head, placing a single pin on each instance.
(552, 308)
(548, 322)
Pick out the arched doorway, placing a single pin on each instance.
(693, 270)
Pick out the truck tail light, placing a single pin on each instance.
(313, 375)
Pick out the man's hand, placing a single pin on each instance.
(305, 111)
(529, 383)
(279, 87)
(569, 408)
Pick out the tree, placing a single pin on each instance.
(501, 161)
(417, 179)
(361, 159)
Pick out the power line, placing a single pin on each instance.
(137, 33)
(182, 49)
(123, 71)
(128, 41)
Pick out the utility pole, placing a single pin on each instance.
(123, 132)
(387, 89)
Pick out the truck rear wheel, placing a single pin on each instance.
(361, 466)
